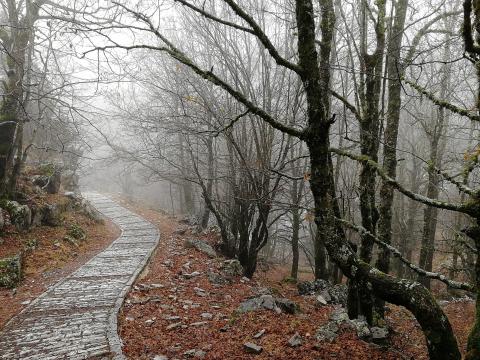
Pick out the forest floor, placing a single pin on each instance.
(165, 316)
(52, 258)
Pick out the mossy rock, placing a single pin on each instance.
(10, 271)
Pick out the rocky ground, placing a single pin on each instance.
(190, 303)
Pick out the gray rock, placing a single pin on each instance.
(40, 180)
(191, 275)
(51, 215)
(37, 215)
(174, 326)
(201, 246)
(199, 323)
(207, 316)
(259, 334)
(194, 353)
(149, 322)
(335, 294)
(327, 332)
(10, 271)
(217, 279)
(325, 294)
(232, 268)
(287, 305)
(320, 301)
(252, 348)
(361, 326)
(379, 334)
(295, 341)
(339, 293)
(268, 302)
(70, 180)
(339, 316)
(311, 287)
(20, 215)
(160, 357)
(250, 305)
(54, 182)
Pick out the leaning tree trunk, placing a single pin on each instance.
(436, 327)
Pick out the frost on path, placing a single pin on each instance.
(77, 317)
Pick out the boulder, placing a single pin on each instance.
(20, 215)
(51, 215)
(311, 287)
(287, 305)
(89, 211)
(379, 334)
(54, 182)
(361, 326)
(37, 215)
(40, 180)
(232, 268)
(339, 294)
(10, 271)
(339, 316)
(201, 246)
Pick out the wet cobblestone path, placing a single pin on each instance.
(77, 317)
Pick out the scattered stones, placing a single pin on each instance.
(201, 246)
(172, 318)
(193, 353)
(270, 303)
(252, 348)
(217, 279)
(259, 334)
(207, 316)
(174, 326)
(199, 323)
(191, 275)
(150, 322)
(295, 341)
(333, 294)
(160, 357)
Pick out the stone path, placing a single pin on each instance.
(77, 317)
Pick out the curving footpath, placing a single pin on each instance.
(77, 317)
